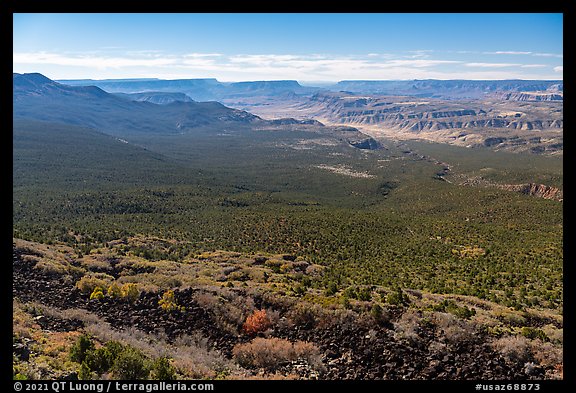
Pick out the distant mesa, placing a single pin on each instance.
(422, 115)
(211, 89)
(292, 121)
(156, 97)
(448, 89)
(275, 84)
(205, 89)
(531, 96)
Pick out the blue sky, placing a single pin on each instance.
(304, 47)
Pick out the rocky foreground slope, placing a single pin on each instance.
(205, 334)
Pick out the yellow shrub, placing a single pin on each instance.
(130, 291)
(97, 294)
(168, 302)
(88, 283)
(114, 291)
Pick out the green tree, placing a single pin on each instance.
(84, 373)
(131, 364)
(163, 370)
(80, 349)
(331, 289)
(397, 298)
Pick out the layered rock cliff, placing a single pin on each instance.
(434, 115)
(537, 190)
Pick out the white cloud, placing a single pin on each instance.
(503, 52)
(420, 53)
(145, 53)
(88, 60)
(527, 53)
(558, 69)
(548, 55)
(418, 63)
(263, 59)
(317, 67)
(492, 65)
(197, 55)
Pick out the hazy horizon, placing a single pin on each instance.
(301, 82)
(309, 48)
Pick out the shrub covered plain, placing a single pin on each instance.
(379, 241)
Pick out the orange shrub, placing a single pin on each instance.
(257, 322)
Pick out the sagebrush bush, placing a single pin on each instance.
(514, 349)
(305, 315)
(407, 325)
(547, 354)
(229, 308)
(269, 353)
(454, 330)
(264, 352)
(50, 267)
(308, 351)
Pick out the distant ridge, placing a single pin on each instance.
(156, 97)
(204, 89)
(28, 80)
(35, 83)
(457, 88)
(211, 89)
(78, 81)
(36, 97)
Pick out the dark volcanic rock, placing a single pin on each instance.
(493, 141)
(368, 144)
(21, 350)
(348, 350)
